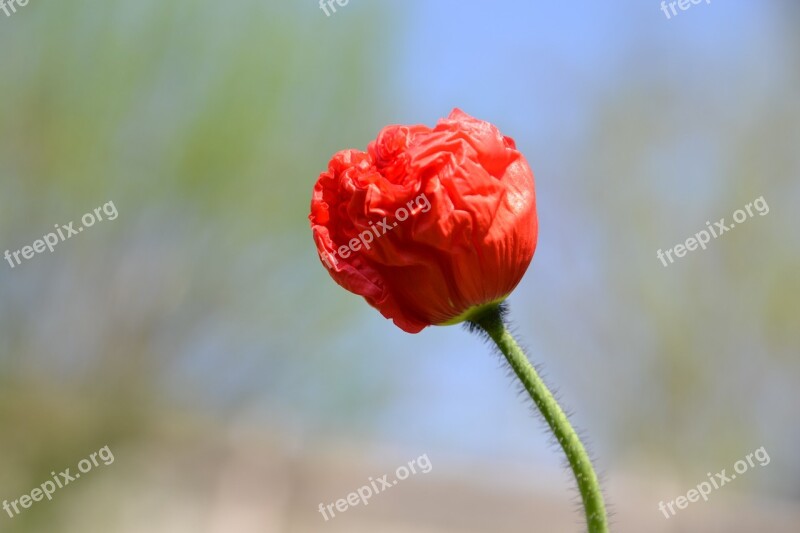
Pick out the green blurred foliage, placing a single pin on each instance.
(206, 123)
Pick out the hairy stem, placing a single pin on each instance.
(491, 322)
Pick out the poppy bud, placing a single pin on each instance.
(428, 225)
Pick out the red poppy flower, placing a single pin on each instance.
(428, 225)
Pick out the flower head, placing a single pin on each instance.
(427, 225)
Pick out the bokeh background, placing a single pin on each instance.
(199, 337)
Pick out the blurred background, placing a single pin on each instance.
(238, 387)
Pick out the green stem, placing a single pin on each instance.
(491, 321)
